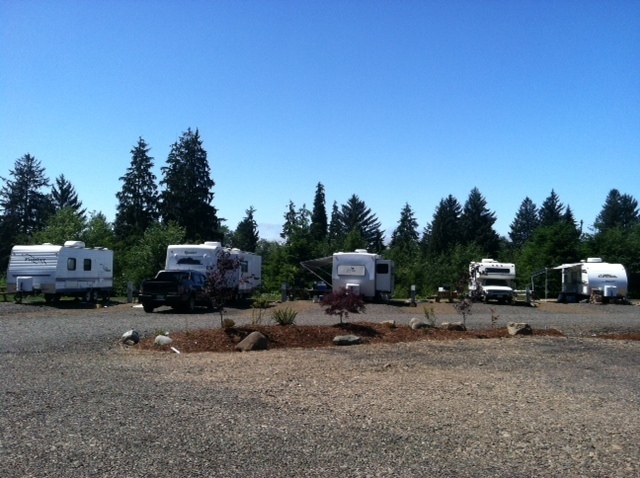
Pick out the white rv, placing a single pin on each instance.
(580, 279)
(204, 258)
(492, 280)
(56, 271)
(362, 272)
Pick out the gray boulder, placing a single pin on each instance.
(416, 324)
(347, 340)
(457, 326)
(519, 328)
(162, 340)
(254, 341)
(130, 337)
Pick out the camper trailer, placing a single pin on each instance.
(204, 257)
(362, 272)
(492, 280)
(56, 271)
(580, 280)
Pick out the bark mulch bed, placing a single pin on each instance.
(308, 336)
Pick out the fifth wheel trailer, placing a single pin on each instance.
(55, 271)
(204, 258)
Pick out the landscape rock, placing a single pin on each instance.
(347, 340)
(456, 326)
(253, 341)
(416, 324)
(162, 340)
(519, 328)
(130, 337)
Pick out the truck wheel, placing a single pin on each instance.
(148, 308)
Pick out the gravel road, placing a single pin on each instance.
(76, 403)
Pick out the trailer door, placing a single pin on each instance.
(384, 276)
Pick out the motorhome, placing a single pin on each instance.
(362, 272)
(204, 258)
(492, 280)
(55, 271)
(581, 279)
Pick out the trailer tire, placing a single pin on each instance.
(48, 298)
(94, 296)
(148, 308)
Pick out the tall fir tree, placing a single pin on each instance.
(335, 235)
(404, 251)
(319, 223)
(443, 233)
(188, 190)
(137, 207)
(476, 224)
(525, 223)
(63, 194)
(619, 210)
(551, 211)
(356, 215)
(246, 236)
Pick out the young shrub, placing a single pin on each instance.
(227, 323)
(494, 318)
(221, 286)
(464, 308)
(284, 316)
(429, 316)
(341, 302)
(259, 305)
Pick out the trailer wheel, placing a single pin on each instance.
(87, 296)
(148, 308)
(48, 298)
(18, 297)
(94, 296)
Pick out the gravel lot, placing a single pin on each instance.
(76, 403)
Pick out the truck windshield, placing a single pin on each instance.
(173, 276)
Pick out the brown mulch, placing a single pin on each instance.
(308, 336)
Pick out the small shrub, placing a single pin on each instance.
(494, 318)
(284, 316)
(342, 302)
(228, 323)
(464, 309)
(259, 305)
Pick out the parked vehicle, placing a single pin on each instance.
(178, 289)
(581, 279)
(362, 272)
(204, 258)
(55, 271)
(492, 280)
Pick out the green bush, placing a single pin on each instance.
(284, 316)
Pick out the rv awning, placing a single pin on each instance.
(568, 266)
(321, 268)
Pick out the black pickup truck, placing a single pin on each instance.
(178, 289)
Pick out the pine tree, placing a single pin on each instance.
(319, 215)
(356, 215)
(550, 212)
(476, 223)
(443, 233)
(137, 206)
(187, 195)
(336, 237)
(525, 223)
(63, 194)
(404, 251)
(405, 237)
(246, 235)
(619, 210)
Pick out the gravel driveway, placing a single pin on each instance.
(75, 403)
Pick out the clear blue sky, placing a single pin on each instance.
(395, 101)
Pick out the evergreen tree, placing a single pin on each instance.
(99, 232)
(356, 215)
(63, 194)
(246, 236)
(619, 210)
(476, 224)
(319, 216)
(187, 195)
(443, 233)
(525, 223)
(297, 247)
(137, 207)
(336, 237)
(550, 212)
(404, 251)
(64, 225)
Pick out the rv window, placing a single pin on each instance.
(71, 264)
(382, 268)
(189, 261)
(244, 266)
(87, 265)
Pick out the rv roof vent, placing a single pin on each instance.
(235, 249)
(488, 260)
(594, 259)
(78, 244)
(361, 251)
(213, 244)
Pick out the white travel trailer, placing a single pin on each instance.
(204, 258)
(580, 279)
(492, 280)
(362, 272)
(56, 271)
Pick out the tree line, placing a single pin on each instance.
(179, 208)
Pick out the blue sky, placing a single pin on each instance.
(395, 101)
